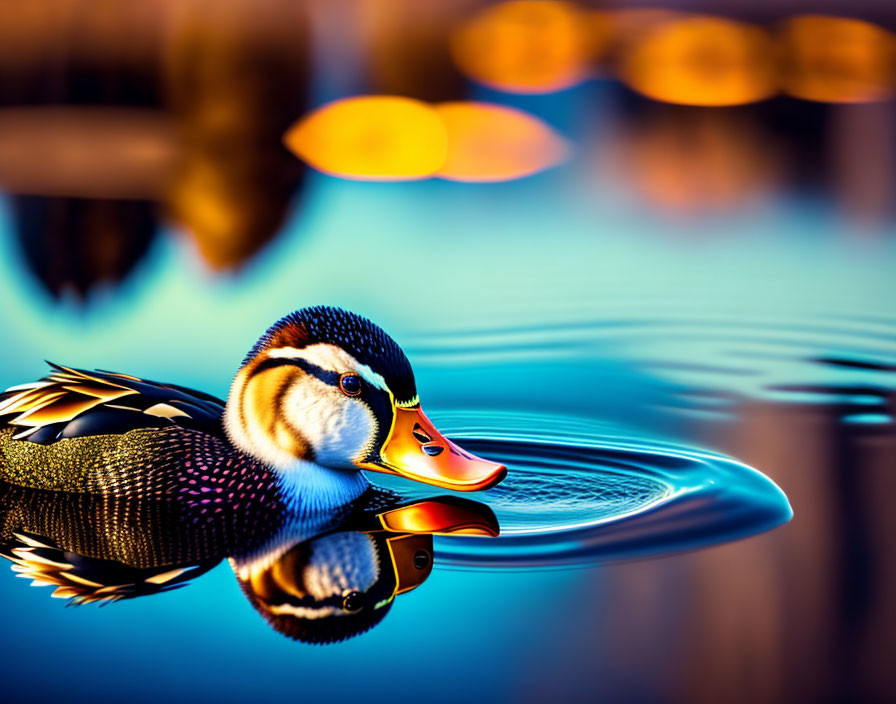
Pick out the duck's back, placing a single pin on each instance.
(117, 435)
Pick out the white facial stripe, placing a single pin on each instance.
(338, 428)
(331, 358)
(340, 562)
(306, 612)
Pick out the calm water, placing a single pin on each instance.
(659, 388)
(577, 494)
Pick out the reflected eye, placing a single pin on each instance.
(350, 384)
(352, 602)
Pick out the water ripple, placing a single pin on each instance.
(800, 356)
(577, 493)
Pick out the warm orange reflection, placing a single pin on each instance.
(838, 60)
(624, 27)
(87, 152)
(496, 143)
(687, 161)
(526, 47)
(377, 138)
(225, 67)
(703, 61)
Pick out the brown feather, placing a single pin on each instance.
(263, 399)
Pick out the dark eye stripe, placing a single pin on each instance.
(328, 377)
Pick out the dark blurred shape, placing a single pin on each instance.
(837, 60)
(406, 46)
(527, 46)
(702, 60)
(183, 103)
(237, 76)
(75, 244)
(98, 52)
(67, 164)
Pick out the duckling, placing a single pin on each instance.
(323, 394)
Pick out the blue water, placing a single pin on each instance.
(640, 389)
(579, 493)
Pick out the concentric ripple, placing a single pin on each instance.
(576, 493)
(711, 353)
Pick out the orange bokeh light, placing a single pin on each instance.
(526, 46)
(373, 138)
(495, 143)
(687, 161)
(837, 60)
(702, 61)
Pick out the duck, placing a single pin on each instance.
(323, 394)
(319, 578)
(343, 581)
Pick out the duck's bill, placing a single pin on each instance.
(442, 515)
(416, 450)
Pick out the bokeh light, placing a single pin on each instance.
(690, 162)
(526, 47)
(703, 61)
(375, 138)
(837, 60)
(496, 143)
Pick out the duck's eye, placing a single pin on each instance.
(350, 384)
(352, 602)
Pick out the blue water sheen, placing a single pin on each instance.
(580, 492)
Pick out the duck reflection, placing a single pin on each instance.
(316, 579)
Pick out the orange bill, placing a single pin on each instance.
(416, 450)
(443, 515)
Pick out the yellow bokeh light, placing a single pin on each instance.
(837, 60)
(495, 143)
(526, 46)
(375, 138)
(703, 61)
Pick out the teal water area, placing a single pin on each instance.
(654, 385)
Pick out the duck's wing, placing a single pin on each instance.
(84, 580)
(71, 403)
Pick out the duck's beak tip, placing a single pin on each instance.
(498, 475)
(416, 450)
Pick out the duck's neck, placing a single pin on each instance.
(311, 488)
(307, 486)
(295, 529)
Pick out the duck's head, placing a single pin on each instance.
(341, 583)
(325, 388)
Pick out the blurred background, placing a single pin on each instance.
(678, 218)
